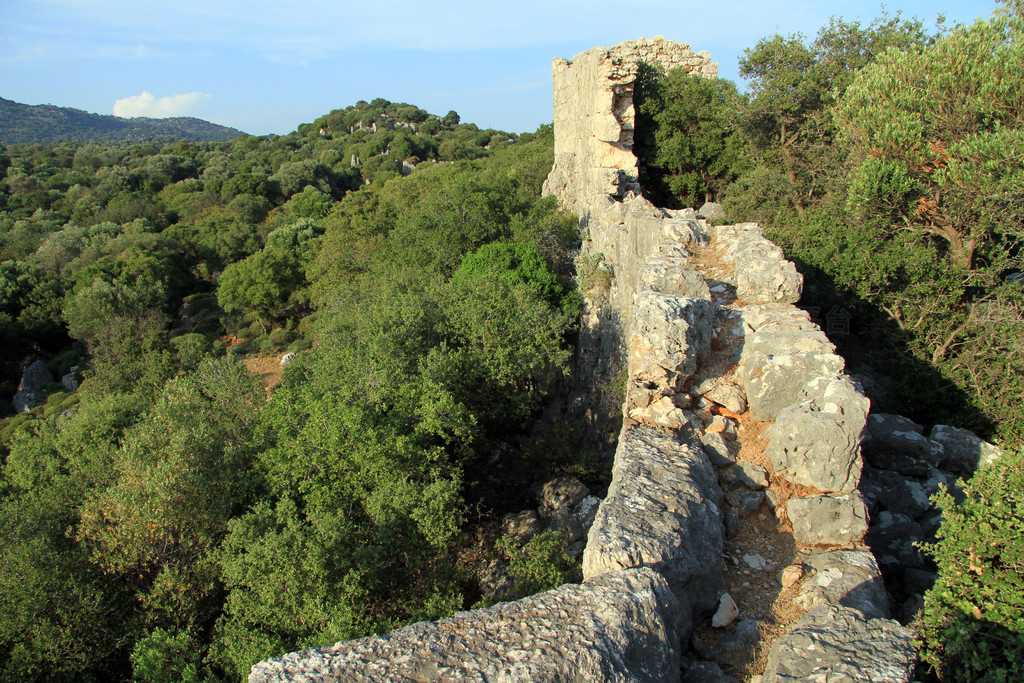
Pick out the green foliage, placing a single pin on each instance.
(539, 565)
(794, 85)
(168, 657)
(937, 135)
(264, 283)
(973, 628)
(687, 136)
(515, 264)
(23, 123)
(594, 281)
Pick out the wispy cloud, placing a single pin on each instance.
(146, 104)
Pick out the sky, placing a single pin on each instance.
(266, 66)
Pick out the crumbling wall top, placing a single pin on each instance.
(594, 116)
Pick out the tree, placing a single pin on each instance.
(794, 85)
(687, 136)
(937, 139)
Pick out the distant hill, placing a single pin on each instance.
(47, 123)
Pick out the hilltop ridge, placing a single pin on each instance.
(26, 123)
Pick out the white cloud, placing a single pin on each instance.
(148, 105)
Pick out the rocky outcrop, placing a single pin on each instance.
(615, 627)
(32, 389)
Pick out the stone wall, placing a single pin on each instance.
(593, 96)
(699, 347)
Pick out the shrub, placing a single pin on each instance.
(973, 624)
(280, 337)
(594, 279)
(539, 565)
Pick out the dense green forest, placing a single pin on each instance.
(25, 123)
(888, 161)
(174, 519)
(167, 521)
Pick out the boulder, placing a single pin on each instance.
(763, 275)
(717, 448)
(737, 643)
(961, 450)
(70, 381)
(816, 442)
(727, 612)
(917, 581)
(31, 392)
(844, 577)
(744, 474)
(670, 334)
(895, 443)
(828, 520)
(887, 490)
(561, 493)
(782, 351)
(670, 275)
(768, 281)
(520, 526)
(546, 637)
(728, 395)
(835, 643)
(705, 672)
(711, 211)
(662, 511)
(892, 538)
(494, 580)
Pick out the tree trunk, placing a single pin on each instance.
(790, 162)
(962, 249)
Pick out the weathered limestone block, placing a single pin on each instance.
(845, 577)
(70, 381)
(711, 211)
(726, 394)
(768, 281)
(838, 644)
(892, 538)
(662, 412)
(893, 442)
(961, 450)
(816, 442)
(886, 490)
(683, 230)
(561, 493)
(763, 275)
(782, 351)
(718, 449)
(662, 511)
(670, 334)
(617, 627)
(669, 275)
(828, 520)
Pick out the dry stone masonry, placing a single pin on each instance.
(701, 350)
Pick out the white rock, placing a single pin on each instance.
(727, 612)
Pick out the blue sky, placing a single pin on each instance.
(265, 66)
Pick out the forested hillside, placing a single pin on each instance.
(887, 160)
(23, 123)
(167, 521)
